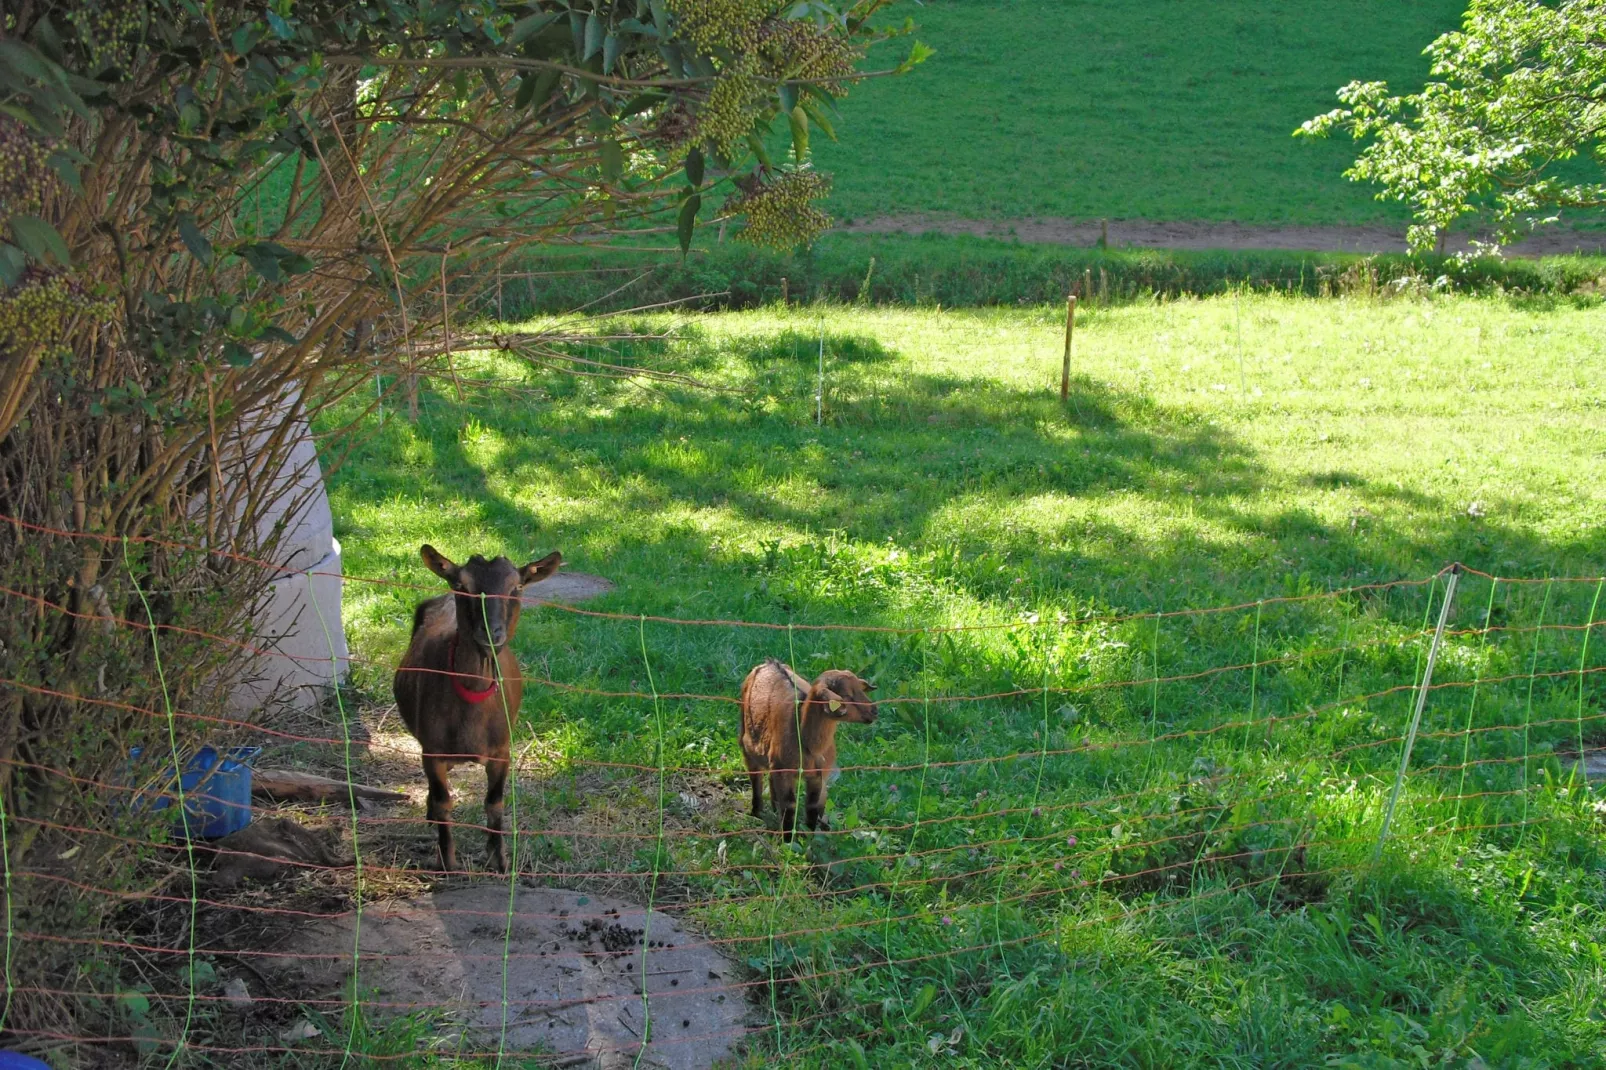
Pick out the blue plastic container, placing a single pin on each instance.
(10, 1060)
(217, 793)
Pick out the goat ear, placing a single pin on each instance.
(536, 571)
(438, 563)
(833, 701)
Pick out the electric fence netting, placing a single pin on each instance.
(647, 918)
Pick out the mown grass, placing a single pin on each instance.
(1101, 108)
(1111, 865)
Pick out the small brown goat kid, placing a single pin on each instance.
(789, 725)
(458, 687)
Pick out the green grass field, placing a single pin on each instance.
(1110, 865)
(1104, 108)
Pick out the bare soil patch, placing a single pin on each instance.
(1146, 234)
(568, 587)
(543, 970)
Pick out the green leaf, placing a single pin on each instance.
(659, 18)
(48, 40)
(526, 92)
(274, 333)
(67, 171)
(673, 59)
(813, 110)
(281, 29)
(492, 82)
(12, 264)
(530, 25)
(380, 270)
(135, 1004)
(236, 355)
(857, 1052)
(800, 133)
(263, 260)
(688, 220)
(788, 95)
(577, 28)
(923, 1000)
(544, 85)
(582, 901)
(24, 116)
(28, 63)
(244, 38)
(761, 151)
(199, 247)
(39, 240)
(594, 32)
(640, 103)
(203, 975)
(610, 52)
(613, 160)
(148, 1040)
(918, 54)
(694, 168)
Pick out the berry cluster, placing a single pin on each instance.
(37, 309)
(107, 32)
(788, 48)
(778, 209)
(726, 117)
(720, 24)
(24, 171)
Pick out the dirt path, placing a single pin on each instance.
(1142, 234)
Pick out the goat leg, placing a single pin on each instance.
(495, 784)
(783, 795)
(440, 810)
(814, 802)
(755, 777)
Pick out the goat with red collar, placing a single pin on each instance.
(458, 687)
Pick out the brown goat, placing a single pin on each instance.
(790, 725)
(458, 687)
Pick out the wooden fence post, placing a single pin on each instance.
(1065, 369)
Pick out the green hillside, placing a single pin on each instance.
(1167, 110)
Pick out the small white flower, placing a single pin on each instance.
(1475, 510)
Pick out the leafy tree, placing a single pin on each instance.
(1502, 134)
(215, 218)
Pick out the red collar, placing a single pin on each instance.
(473, 698)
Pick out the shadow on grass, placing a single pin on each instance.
(918, 457)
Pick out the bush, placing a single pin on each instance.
(957, 272)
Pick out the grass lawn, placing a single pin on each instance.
(1137, 854)
(1173, 110)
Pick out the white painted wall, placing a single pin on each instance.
(299, 628)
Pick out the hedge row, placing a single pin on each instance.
(958, 271)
